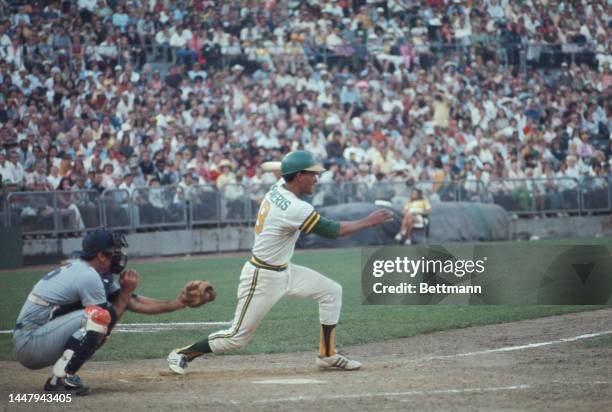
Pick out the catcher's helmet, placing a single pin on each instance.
(106, 242)
(299, 161)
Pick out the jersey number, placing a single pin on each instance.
(261, 216)
(56, 271)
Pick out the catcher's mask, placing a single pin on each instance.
(108, 243)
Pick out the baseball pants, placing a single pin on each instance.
(41, 347)
(260, 289)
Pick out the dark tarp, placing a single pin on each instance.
(449, 222)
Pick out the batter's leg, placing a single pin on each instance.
(305, 282)
(258, 292)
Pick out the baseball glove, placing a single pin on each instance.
(197, 293)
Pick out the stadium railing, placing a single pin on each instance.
(524, 54)
(596, 194)
(159, 207)
(55, 212)
(235, 203)
(150, 208)
(204, 205)
(537, 195)
(117, 209)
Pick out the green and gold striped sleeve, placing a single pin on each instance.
(309, 223)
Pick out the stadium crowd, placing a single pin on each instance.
(107, 94)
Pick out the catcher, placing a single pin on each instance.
(72, 309)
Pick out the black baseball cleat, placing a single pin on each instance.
(71, 383)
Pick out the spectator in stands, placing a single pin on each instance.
(54, 178)
(108, 177)
(415, 215)
(179, 41)
(226, 177)
(37, 177)
(121, 18)
(6, 169)
(152, 204)
(70, 216)
(16, 174)
(162, 40)
(236, 196)
(128, 184)
(92, 85)
(146, 164)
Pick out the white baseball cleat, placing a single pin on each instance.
(338, 361)
(177, 362)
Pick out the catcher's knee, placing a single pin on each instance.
(97, 319)
(86, 341)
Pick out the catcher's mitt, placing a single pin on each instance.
(197, 293)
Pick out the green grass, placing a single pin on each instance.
(292, 325)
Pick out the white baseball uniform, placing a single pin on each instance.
(269, 274)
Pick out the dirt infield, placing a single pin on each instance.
(527, 365)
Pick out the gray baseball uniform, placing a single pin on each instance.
(54, 311)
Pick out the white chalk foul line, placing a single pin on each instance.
(158, 327)
(391, 394)
(153, 327)
(526, 346)
(179, 324)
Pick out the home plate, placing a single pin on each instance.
(288, 381)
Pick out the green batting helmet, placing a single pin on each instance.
(299, 161)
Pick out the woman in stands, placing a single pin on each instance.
(70, 215)
(415, 214)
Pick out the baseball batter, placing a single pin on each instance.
(269, 274)
(72, 309)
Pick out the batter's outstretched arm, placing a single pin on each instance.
(151, 306)
(376, 218)
(331, 229)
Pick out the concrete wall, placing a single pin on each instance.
(182, 242)
(563, 227)
(166, 243)
(11, 255)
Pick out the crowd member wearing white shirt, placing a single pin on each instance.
(179, 43)
(162, 39)
(17, 174)
(354, 152)
(6, 169)
(54, 178)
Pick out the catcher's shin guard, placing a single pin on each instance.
(84, 343)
